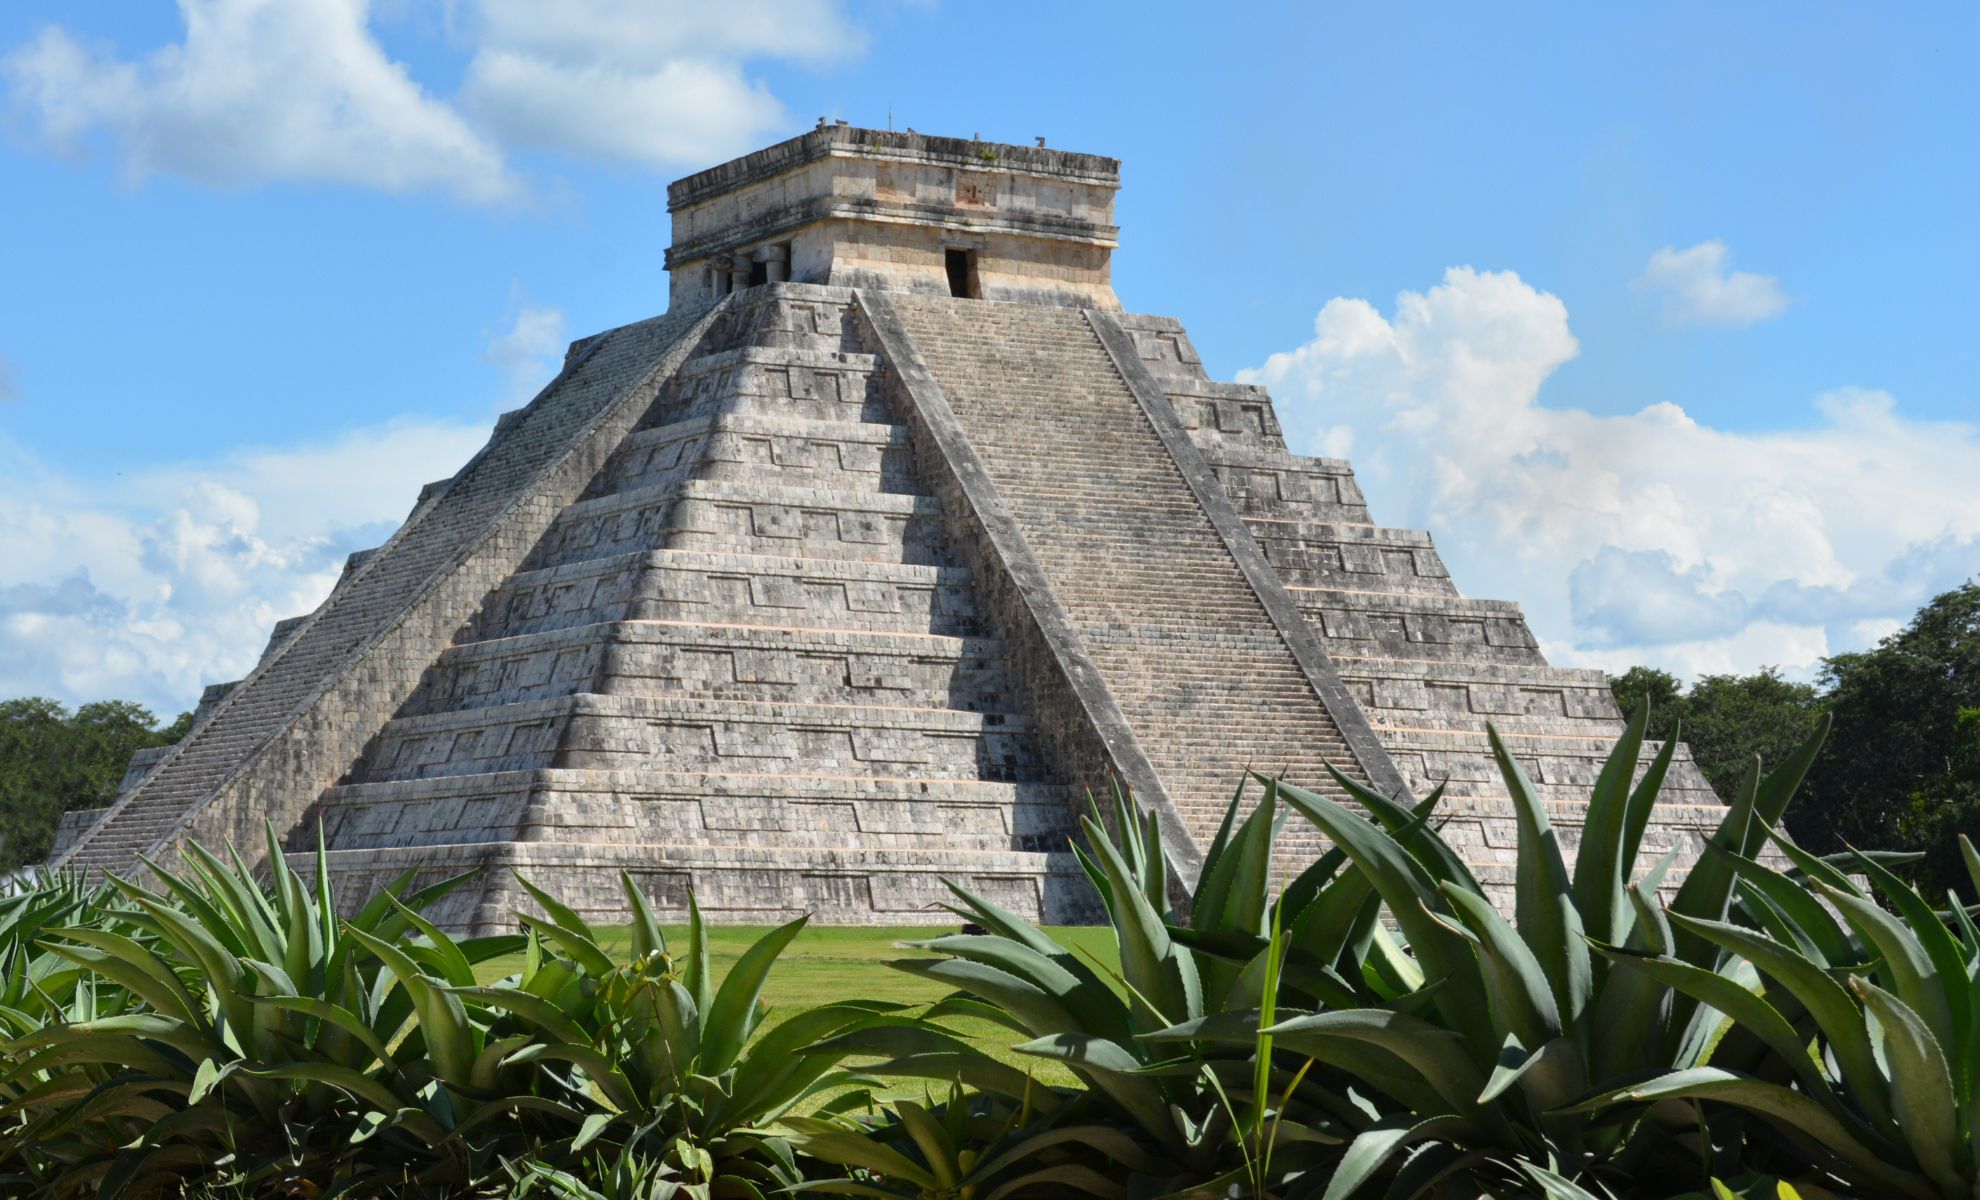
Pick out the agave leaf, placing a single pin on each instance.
(1410, 827)
(1940, 947)
(534, 1009)
(1090, 1003)
(1553, 1185)
(1039, 1011)
(358, 1086)
(1914, 974)
(1599, 868)
(647, 940)
(1213, 857)
(1972, 859)
(1231, 894)
(1643, 802)
(1707, 890)
(1113, 1144)
(1801, 1118)
(130, 966)
(1069, 1178)
(959, 1005)
(599, 1069)
(932, 1140)
(921, 1051)
(1522, 998)
(1837, 1016)
(1795, 902)
(1543, 896)
(1409, 892)
(582, 949)
(835, 1143)
(729, 1021)
(1160, 973)
(450, 1037)
(1921, 1084)
(454, 966)
(697, 974)
(1716, 990)
(1437, 1055)
(1111, 1068)
(1817, 869)
(1375, 1145)
(331, 1014)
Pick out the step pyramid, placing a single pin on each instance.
(850, 576)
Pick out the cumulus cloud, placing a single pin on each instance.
(640, 81)
(1697, 286)
(529, 350)
(1642, 537)
(259, 91)
(149, 585)
(302, 90)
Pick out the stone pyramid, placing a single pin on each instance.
(851, 574)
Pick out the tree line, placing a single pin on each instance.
(1901, 767)
(53, 760)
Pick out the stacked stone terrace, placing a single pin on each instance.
(851, 575)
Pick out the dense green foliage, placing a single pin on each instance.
(53, 760)
(1902, 768)
(1726, 720)
(1385, 1021)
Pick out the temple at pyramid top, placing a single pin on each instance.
(907, 212)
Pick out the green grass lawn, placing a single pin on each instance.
(829, 963)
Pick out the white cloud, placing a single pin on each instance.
(529, 351)
(260, 90)
(302, 90)
(148, 586)
(637, 80)
(1644, 537)
(1697, 286)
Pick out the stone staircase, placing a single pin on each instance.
(1180, 636)
(743, 660)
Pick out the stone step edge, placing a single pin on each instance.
(725, 634)
(741, 562)
(764, 783)
(872, 433)
(716, 491)
(692, 709)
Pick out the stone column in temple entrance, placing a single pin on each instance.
(776, 262)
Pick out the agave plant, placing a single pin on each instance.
(970, 1145)
(1889, 992)
(263, 1041)
(1481, 1036)
(1169, 1048)
(663, 1053)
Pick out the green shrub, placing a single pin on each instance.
(1889, 994)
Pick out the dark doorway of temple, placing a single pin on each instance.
(962, 273)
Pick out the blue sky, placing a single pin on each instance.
(1660, 317)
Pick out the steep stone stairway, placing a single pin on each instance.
(742, 660)
(1181, 637)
